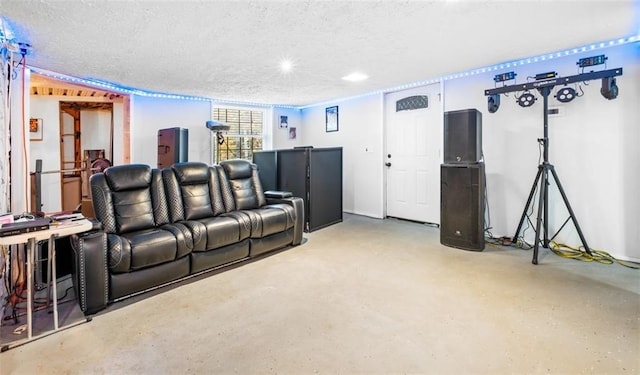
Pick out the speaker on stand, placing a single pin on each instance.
(462, 179)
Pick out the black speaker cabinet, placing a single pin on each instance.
(313, 174)
(267, 169)
(173, 146)
(462, 136)
(462, 202)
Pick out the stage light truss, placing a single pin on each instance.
(554, 82)
(566, 94)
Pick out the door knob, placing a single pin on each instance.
(387, 164)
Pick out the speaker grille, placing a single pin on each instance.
(463, 136)
(462, 206)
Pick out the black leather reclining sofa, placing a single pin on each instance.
(159, 226)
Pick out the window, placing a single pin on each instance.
(245, 135)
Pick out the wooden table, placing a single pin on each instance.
(56, 230)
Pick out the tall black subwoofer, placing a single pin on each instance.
(462, 136)
(462, 203)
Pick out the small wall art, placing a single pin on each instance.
(284, 122)
(331, 119)
(35, 129)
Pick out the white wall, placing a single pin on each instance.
(280, 136)
(149, 114)
(360, 134)
(96, 131)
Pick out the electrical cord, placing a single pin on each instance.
(578, 253)
(40, 302)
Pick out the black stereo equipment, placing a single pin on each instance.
(462, 202)
(173, 146)
(462, 136)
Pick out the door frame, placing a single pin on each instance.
(385, 132)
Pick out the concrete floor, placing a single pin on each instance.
(365, 296)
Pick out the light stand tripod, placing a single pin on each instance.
(542, 181)
(544, 86)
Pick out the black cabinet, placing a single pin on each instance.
(313, 174)
(173, 146)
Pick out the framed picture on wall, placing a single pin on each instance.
(331, 119)
(284, 122)
(35, 129)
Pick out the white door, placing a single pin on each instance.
(412, 159)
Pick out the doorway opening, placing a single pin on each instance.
(86, 147)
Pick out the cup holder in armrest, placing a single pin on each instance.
(277, 194)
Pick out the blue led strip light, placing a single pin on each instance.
(112, 86)
(468, 73)
(133, 91)
(492, 68)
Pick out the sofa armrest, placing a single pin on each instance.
(277, 194)
(90, 270)
(96, 224)
(298, 206)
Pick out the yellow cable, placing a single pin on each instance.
(600, 256)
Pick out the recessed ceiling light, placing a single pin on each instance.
(355, 77)
(286, 65)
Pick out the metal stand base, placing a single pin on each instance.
(542, 181)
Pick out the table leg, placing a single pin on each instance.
(54, 280)
(31, 246)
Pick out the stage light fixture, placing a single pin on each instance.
(493, 103)
(526, 99)
(609, 88)
(566, 94)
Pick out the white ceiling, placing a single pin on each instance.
(231, 50)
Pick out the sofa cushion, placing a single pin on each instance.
(151, 247)
(193, 191)
(237, 168)
(197, 201)
(240, 185)
(270, 219)
(224, 230)
(191, 173)
(244, 194)
(131, 197)
(133, 210)
(127, 177)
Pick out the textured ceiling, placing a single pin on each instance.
(231, 50)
